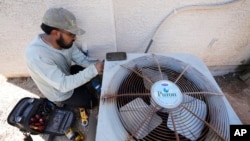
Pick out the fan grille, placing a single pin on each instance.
(131, 89)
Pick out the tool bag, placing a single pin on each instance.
(39, 115)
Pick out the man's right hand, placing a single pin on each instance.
(99, 67)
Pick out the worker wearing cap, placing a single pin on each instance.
(49, 60)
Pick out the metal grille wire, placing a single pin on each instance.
(201, 116)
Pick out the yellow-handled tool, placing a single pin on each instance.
(84, 117)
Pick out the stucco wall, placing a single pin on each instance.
(219, 35)
(19, 24)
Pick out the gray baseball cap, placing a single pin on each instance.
(62, 19)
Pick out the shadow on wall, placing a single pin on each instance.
(245, 62)
(245, 72)
(242, 69)
(245, 65)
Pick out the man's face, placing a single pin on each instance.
(65, 42)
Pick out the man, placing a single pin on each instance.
(49, 60)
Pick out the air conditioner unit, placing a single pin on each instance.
(162, 97)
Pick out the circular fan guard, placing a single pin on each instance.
(201, 116)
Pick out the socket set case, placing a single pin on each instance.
(36, 116)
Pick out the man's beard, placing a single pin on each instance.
(62, 44)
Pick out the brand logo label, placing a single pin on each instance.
(165, 91)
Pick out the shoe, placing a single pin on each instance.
(84, 117)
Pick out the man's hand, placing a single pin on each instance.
(99, 67)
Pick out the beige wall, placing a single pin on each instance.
(219, 35)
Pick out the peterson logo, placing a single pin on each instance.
(165, 91)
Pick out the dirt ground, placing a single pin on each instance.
(237, 93)
(13, 89)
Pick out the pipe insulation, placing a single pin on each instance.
(186, 8)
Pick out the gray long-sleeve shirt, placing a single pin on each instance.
(50, 69)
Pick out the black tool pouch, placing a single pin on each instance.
(37, 116)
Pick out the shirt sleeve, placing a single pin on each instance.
(80, 59)
(49, 71)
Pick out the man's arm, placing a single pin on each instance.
(49, 72)
(80, 59)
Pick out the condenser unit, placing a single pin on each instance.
(151, 97)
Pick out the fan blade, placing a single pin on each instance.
(153, 75)
(185, 123)
(137, 120)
